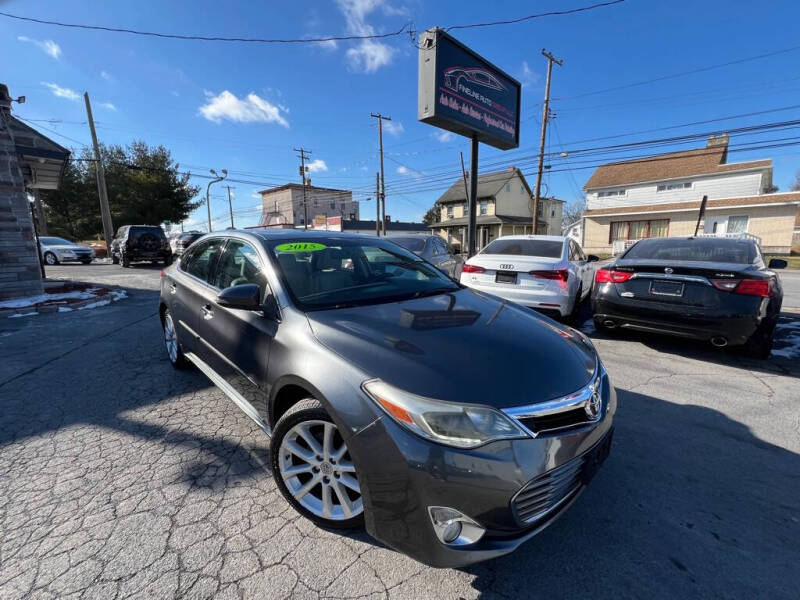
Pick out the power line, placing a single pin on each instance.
(552, 13)
(681, 74)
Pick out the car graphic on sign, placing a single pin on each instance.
(474, 75)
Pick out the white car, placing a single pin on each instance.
(545, 272)
(57, 250)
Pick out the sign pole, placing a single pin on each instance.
(473, 196)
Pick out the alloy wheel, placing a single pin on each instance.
(316, 468)
(170, 339)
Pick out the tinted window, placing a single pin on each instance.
(698, 249)
(323, 273)
(200, 262)
(415, 244)
(239, 264)
(137, 232)
(544, 248)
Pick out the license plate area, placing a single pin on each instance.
(666, 288)
(505, 277)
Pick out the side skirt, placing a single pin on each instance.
(229, 391)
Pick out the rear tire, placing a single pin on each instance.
(316, 478)
(50, 258)
(125, 261)
(114, 259)
(172, 345)
(572, 317)
(759, 345)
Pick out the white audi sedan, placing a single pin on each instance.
(545, 272)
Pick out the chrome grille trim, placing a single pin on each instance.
(570, 402)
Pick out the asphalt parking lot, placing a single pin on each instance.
(120, 477)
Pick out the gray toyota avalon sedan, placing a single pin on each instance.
(453, 424)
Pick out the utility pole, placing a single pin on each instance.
(545, 116)
(105, 211)
(377, 204)
(381, 118)
(303, 158)
(37, 203)
(230, 205)
(216, 179)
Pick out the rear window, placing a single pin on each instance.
(413, 244)
(697, 249)
(544, 248)
(135, 232)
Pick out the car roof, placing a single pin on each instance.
(546, 238)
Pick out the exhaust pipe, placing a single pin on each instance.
(719, 342)
(609, 324)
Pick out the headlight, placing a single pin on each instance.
(459, 425)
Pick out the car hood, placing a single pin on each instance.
(464, 346)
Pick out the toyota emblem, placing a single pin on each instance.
(668, 270)
(593, 404)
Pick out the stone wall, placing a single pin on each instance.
(19, 264)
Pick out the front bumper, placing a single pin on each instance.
(401, 475)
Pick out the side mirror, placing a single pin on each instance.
(270, 308)
(592, 258)
(777, 263)
(456, 250)
(246, 296)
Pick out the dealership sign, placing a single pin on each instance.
(463, 93)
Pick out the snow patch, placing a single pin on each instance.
(31, 300)
(789, 333)
(27, 314)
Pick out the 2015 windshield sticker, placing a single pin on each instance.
(300, 247)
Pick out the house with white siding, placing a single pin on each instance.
(661, 195)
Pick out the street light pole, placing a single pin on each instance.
(216, 179)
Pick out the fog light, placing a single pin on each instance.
(453, 527)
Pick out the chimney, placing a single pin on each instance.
(720, 141)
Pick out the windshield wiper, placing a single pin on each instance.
(434, 292)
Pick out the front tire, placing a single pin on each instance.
(50, 259)
(172, 345)
(126, 262)
(114, 259)
(313, 468)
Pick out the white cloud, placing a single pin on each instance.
(367, 55)
(107, 76)
(62, 92)
(108, 106)
(394, 127)
(401, 170)
(443, 136)
(528, 75)
(251, 109)
(317, 165)
(329, 45)
(49, 47)
(256, 194)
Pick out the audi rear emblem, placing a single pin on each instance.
(668, 270)
(507, 267)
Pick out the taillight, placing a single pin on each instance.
(558, 275)
(473, 269)
(161, 273)
(608, 276)
(746, 287)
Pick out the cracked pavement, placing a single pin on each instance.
(120, 477)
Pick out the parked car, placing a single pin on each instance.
(99, 247)
(433, 249)
(545, 272)
(135, 243)
(183, 240)
(57, 250)
(705, 288)
(347, 350)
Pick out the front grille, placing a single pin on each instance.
(557, 421)
(548, 491)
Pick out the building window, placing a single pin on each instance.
(637, 230)
(450, 211)
(484, 207)
(669, 187)
(333, 205)
(738, 224)
(608, 193)
(466, 208)
(508, 187)
(552, 212)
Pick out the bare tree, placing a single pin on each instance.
(796, 184)
(572, 212)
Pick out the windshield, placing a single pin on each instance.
(323, 273)
(55, 241)
(410, 243)
(697, 249)
(135, 232)
(530, 247)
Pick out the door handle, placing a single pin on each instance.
(208, 313)
(173, 289)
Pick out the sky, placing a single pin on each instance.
(245, 106)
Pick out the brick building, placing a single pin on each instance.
(28, 162)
